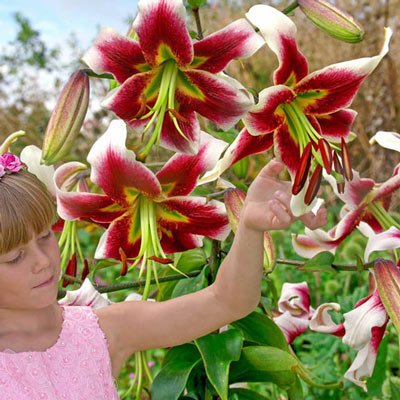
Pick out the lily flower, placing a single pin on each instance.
(146, 215)
(365, 201)
(294, 306)
(362, 330)
(387, 240)
(165, 77)
(306, 113)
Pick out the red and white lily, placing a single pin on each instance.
(389, 140)
(147, 215)
(294, 306)
(362, 330)
(365, 201)
(165, 76)
(305, 114)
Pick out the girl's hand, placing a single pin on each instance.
(267, 205)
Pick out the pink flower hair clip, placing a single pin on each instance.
(9, 164)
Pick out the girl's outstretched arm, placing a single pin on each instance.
(139, 325)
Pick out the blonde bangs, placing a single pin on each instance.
(26, 209)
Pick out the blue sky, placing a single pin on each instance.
(57, 19)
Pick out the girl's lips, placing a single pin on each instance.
(44, 284)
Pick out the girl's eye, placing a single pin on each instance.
(18, 258)
(46, 235)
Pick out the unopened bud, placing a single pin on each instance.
(67, 118)
(332, 20)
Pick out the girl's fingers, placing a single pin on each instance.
(314, 221)
(272, 169)
(280, 212)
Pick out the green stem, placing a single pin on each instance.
(290, 8)
(138, 362)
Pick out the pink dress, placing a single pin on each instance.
(77, 367)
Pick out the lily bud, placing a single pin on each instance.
(332, 20)
(67, 118)
(387, 276)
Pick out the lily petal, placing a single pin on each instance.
(244, 145)
(179, 175)
(173, 140)
(336, 125)
(176, 241)
(364, 363)
(388, 140)
(358, 323)
(322, 322)
(335, 86)
(86, 295)
(117, 54)
(387, 240)
(125, 233)
(266, 116)
(83, 205)
(161, 28)
(237, 40)
(279, 32)
(194, 215)
(291, 326)
(115, 169)
(295, 298)
(208, 95)
(127, 101)
(31, 156)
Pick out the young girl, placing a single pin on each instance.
(48, 351)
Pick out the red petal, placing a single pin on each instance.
(179, 175)
(127, 100)
(209, 95)
(266, 116)
(287, 148)
(173, 140)
(161, 28)
(116, 54)
(236, 40)
(336, 125)
(194, 215)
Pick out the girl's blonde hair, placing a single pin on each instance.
(26, 209)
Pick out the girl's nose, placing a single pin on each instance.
(40, 259)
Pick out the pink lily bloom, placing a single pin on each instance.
(362, 330)
(294, 306)
(304, 115)
(146, 214)
(365, 201)
(165, 77)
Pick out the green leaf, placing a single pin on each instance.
(171, 380)
(320, 262)
(260, 329)
(244, 394)
(295, 392)
(218, 351)
(191, 285)
(264, 364)
(241, 167)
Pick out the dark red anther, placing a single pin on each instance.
(85, 271)
(339, 170)
(70, 270)
(124, 263)
(348, 171)
(304, 168)
(314, 185)
(161, 260)
(326, 154)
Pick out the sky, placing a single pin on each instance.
(57, 19)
